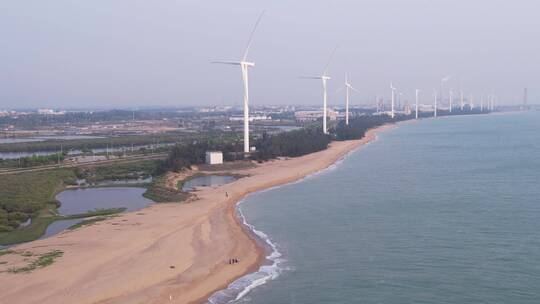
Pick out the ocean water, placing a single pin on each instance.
(438, 211)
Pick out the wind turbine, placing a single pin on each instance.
(245, 65)
(451, 97)
(324, 77)
(435, 103)
(348, 87)
(443, 81)
(482, 103)
(471, 103)
(392, 114)
(417, 91)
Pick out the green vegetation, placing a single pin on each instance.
(293, 143)
(26, 195)
(185, 155)
(90, 221)
(39, 225)
(32, 195)
(160, 193)
(42, 260)
(92, 143)
(125, 171)
(32, 161)
(5, 252)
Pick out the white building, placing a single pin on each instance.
(214, 157)
(314, 115)
(252, 117)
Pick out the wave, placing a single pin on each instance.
(269, 271)
(274, 261)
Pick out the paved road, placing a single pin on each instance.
(71, 165)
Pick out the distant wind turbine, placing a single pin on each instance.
(417, 91)
(451, 97)
(434, 102)
(481, 102)
(443, 81)
(392, 114)
(348, 87)
(244, 65)
(324, 77)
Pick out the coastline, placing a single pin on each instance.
(166, 252)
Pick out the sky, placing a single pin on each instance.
(133, 53)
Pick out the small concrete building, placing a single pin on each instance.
(214, 157)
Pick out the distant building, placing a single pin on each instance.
(50, 112)
(303, 116)
(214, 157)
(251, 117)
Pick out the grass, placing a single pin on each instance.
(32, 195)
(127, 171)
(43, 260)
(160, 193)
(28, 194)
(90, 221)
(39, 226)
(6, 252)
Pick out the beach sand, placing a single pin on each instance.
(164, 253)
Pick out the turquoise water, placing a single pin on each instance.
(439, 211)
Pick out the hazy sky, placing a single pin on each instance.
(128, 53)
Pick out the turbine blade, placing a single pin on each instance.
(352, 88)
(310, 77)
(227, 62)
(251, 35)
(329, 60)
(340, 89)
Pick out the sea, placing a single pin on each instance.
(442, 210)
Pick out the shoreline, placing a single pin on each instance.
(174, 253)
(262, 247)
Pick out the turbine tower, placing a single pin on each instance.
(324, 77)
(245, 65)
(417, 91)
(392, 113)
(482, 103)
(435, 103)
(348, 87)
(443, 81)
(451, 97)
(462, 101)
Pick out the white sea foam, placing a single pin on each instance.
(270, 271)
(274, 267)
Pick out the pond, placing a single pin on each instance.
(75, 201)
(207, 181)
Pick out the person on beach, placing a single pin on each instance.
(226, 194)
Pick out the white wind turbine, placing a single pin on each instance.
(481, 102)
(451, 97)
(244, 65)
(348, 87)
(435, 103)
(324, 77)
(392, 113)
(417, 91)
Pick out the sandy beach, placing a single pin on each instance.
(165, 253)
